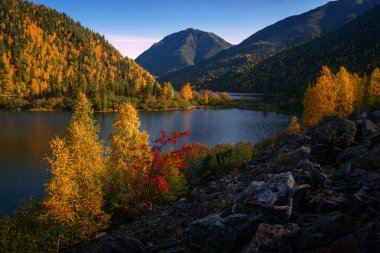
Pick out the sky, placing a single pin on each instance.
(132, 26)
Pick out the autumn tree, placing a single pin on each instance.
(36, 59)
(374, 87)
(360, 90)
(74, 195)
(167, 90)
(205, 97)
(320, 100)
(130, 160)
(186, 92)
(339, 95)
(345, 93)
(294, 127)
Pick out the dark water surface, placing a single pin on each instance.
(24, 140)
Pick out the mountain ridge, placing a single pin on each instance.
(273, 39)
(355, 46)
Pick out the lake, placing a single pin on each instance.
(24, 140)
(246, 96)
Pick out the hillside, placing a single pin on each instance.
(181, 49)
(355, 46)
(280, 36)
(45, 53)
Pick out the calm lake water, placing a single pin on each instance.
(24, 140)
(246, 96)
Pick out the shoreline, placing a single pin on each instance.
(233, 104)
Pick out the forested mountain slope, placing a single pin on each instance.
(44, 52)
(355, 46)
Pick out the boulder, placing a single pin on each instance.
(365, 128)
(321, 230)
(274, 239)
(274, 192)
(356, 155)
(366, 239)
(308, 172)
(375, 116)
(120, 244)
(218, 234)
(196, 194)
(329, 137)
(374, 156)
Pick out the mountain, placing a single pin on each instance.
(273, 39)
(44, 53)
(356, 46)
(181, 49)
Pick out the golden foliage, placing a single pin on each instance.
(205, 97)
(294, 127)
(75, 192)
(129, 161)
(167, 90)
(345, 94)
(374, 88)
(186, 92)
(54, 50)
(339, 95)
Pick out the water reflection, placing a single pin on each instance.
(25, 136)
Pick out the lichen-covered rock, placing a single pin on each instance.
(269, 194)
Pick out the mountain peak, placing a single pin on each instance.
(181, 49)
(191, 30)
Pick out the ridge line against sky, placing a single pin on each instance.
(132, 26)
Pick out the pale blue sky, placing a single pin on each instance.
(132, 26)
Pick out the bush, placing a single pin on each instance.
(195, 163)
(25, 232)
(177, 186)
(224, 158)
(245, 149)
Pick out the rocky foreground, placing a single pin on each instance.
(316, 192)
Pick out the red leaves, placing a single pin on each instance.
(174, 159)
(165, 139)
(162, 185)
